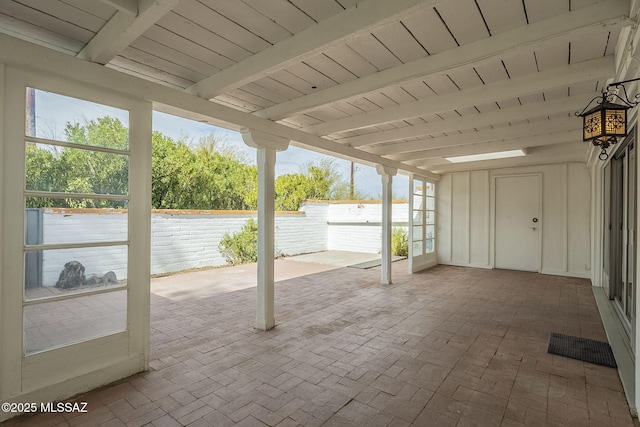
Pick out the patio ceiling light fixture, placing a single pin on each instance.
(607, 121)
(486, 156)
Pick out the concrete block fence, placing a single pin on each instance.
(182, 240)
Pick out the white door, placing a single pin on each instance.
(517, 223)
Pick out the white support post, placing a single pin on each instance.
(267, 146)
(387, 174)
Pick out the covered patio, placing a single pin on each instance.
(502, 250)
(445, 347)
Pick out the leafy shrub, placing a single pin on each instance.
(399, 242)
(241, 247)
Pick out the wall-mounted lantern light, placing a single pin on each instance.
(607, 121)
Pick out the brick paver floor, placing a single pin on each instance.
(445, 347)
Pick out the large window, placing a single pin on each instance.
(76, 198)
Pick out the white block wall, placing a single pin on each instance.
(357, 227)
(73, 226)
(296, 234)
(182, 240)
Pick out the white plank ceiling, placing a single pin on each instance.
(409, 80)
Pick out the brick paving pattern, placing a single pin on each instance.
(449, 346)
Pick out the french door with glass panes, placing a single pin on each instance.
(422, 224)
(622, 208)
(76, 225)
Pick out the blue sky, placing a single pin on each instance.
(53, 111)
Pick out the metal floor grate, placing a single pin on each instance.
(584, 349)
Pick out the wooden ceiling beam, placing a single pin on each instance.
(420, 157)
(515, 114)
(539, 128)
(128, 6)
(604, 16)
(591, 70)
(559, 153)
(124, 28)
(337, 30)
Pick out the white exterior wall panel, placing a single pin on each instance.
(578, 202)
(554, 219)
(479, 220)
(465, 233)
(460, 211)
(443, 219)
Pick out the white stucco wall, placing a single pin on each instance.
(464, 218)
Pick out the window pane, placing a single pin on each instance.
(417, 186)
(62, 118)
(71, 170)
(431, 231)
(55, 225)
(58, 323)
(417, 217)
(431, 217)
(417, 233)
(430, 189)
(417, 201)
(417, 248)
(55, 272)
(431, 203)
(429, 246)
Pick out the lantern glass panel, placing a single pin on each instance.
(592, 125)
(616, 121)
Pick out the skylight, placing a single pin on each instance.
(486, 156)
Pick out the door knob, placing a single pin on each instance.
(535, 220)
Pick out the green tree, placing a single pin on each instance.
(320, 181)
(72, 170)
(169, 159)
(291, 190)
(199, 178)
(208, 174)
(43, 174)
(105, 132)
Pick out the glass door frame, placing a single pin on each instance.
(621, 227)
(422, 235)
(95, 361)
